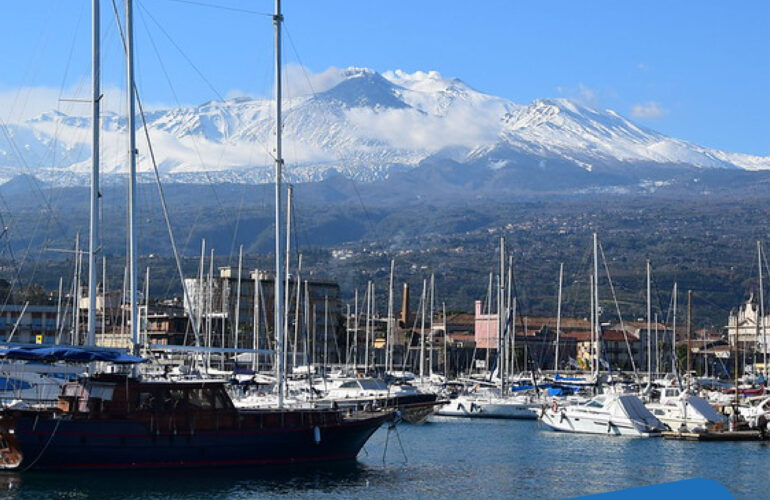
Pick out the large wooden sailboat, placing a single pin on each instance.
(118, 421)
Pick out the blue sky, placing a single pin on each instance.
(697, 70)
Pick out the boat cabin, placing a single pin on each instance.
(118, 395)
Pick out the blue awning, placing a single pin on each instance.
(71, 354)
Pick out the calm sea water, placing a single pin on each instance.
(460, 458)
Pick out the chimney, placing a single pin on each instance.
(404, 318)
(478, 308)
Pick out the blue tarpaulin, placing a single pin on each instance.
(72, 354)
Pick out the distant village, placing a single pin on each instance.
(237, 311)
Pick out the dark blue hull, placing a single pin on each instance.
(62, 443)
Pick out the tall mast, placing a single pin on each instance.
(422, 332)
(278, 286)
(674, 369)
(649, 327)
(286, 283)
(298, 297)
(367, 326)
(389, 328)
(237, 326)
(558, 319)
(596, 302)
(132, 264)
(93, 229)
(446, 370)
(430, 334)
(347, 337)
(762, 311)
(501, 319)
(593, 322)
(355, 333)
(689, 339)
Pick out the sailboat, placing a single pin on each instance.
(121, 421)
(498, 402)
(610, 414)
(677, 407)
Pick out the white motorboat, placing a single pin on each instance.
(683, 410)
(415, 406)
(490, 406)
(610, 414)
(757, 408)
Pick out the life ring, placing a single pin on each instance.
(554, 406)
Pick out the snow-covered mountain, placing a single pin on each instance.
(364, 126)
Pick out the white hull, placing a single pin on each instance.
(612, 419)
(686, 411)
(474, 408)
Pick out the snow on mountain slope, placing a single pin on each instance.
(560, 128)
(363, 127)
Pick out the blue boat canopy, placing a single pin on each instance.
(72, 354)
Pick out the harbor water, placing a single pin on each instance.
(452, 457)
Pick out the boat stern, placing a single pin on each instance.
(10, 454)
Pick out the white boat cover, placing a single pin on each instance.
(702, 406)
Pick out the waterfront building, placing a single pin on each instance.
(745, 325)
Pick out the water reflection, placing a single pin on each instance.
(264, 481)
(479, 459)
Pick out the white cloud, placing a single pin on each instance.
(642, 66)
(409, 129)
(299, 80)
(581, 93)
(650, 110)
(21, 104)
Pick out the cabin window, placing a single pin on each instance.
(146, 401)
(350, 385)
(373, 385)
(221, 401)
(200, 398)
(171, 399)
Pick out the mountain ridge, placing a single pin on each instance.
(366, 126)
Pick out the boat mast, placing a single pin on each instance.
(508, 308)
(237, 312)
(278, 291)
(368, 324)
(422, 331)
(501, 319)
(446, 369)
(286, 283)
(674, 369)
(596, 303)
(132, 250)
(558, 319)
(593, 322)
(347, 337)
(689, 337)
(389, 328)
(355, 333)
(762, 312)
(649, 327)
(430, 334)
(93, 229)
(298, 297)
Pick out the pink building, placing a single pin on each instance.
(486, 328)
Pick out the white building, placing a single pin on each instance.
(745, 322)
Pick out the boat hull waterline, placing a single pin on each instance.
(56, 442)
